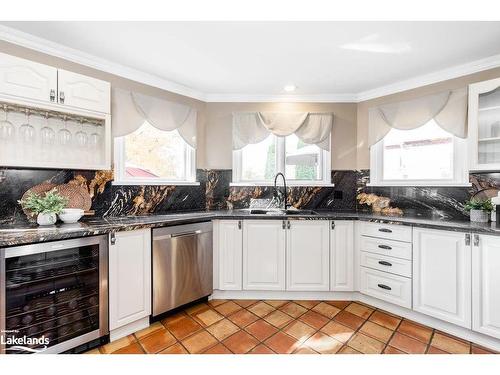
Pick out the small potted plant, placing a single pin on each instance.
(46, 207)
(479, 209)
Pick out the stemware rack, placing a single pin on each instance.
(45, 113)
(35, 137)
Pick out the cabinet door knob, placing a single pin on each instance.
(283, 224)
(61, 97)
(288, 225)
(52, 95)
(467, 239)
(239, 224)
(112, 238)
(476, 240)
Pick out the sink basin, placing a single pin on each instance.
(281, 212)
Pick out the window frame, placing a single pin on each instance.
(325, 157)
(120, 177)
(460, 168)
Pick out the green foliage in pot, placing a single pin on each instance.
(479, 204)
(50, 202)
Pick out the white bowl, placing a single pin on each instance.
(70, 215)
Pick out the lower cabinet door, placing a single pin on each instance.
(486, 285)
(229, 249)
(307, 255)
(129, 277)
(264, 254)
(442, 275)
(342, 256)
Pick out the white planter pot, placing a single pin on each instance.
(48, 218)
(479, 216)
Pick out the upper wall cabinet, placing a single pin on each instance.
(80, 91)
(484, 125)
(27, 79)
(52, 118)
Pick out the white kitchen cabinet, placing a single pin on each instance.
(342, 256)
(442, 275)
(27, 79)
(129, 277)
(484, 125)
(229, 249)
(307, 255)
(264, 254)
(486, 285)
(79, 91)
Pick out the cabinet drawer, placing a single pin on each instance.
(384, 263)
(385, 247)
(385, 286)
(389, 231)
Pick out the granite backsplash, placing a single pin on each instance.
(445, 202)
(215, 192)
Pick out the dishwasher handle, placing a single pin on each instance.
(177, 235)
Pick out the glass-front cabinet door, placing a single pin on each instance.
(484, 125)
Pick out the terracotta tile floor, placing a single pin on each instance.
(283, 327)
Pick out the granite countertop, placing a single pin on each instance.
(25, 233)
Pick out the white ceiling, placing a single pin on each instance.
(245, 60)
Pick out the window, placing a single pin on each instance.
(427, 155)
(153, 156)
(302, 164)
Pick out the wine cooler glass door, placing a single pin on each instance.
(52, 294)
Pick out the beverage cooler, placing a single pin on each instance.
(53, 296)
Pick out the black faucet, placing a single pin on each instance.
(282, 197)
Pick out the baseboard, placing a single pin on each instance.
(464, 333)
(128, 329)
(281, 295)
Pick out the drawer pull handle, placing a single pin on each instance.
(384, 263)
(383, 286)
(385, 230)
(385, 247)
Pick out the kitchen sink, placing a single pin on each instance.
(281, 212)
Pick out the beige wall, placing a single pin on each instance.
(115, 81)
(219, 120)
(214, 119)
(350, 128)
(363, 152)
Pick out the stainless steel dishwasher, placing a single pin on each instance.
(182, 265)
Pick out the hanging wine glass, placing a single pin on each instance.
(7, 130)
(26, 131)
(47, 134)
(64, 135)
(95, 138)
(94, 143)
(81, 137)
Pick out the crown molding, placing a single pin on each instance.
(435, 77)
(257, 98)
(48, 47)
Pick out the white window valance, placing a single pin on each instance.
(254, 127)
(448, 109)
(130, 110)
